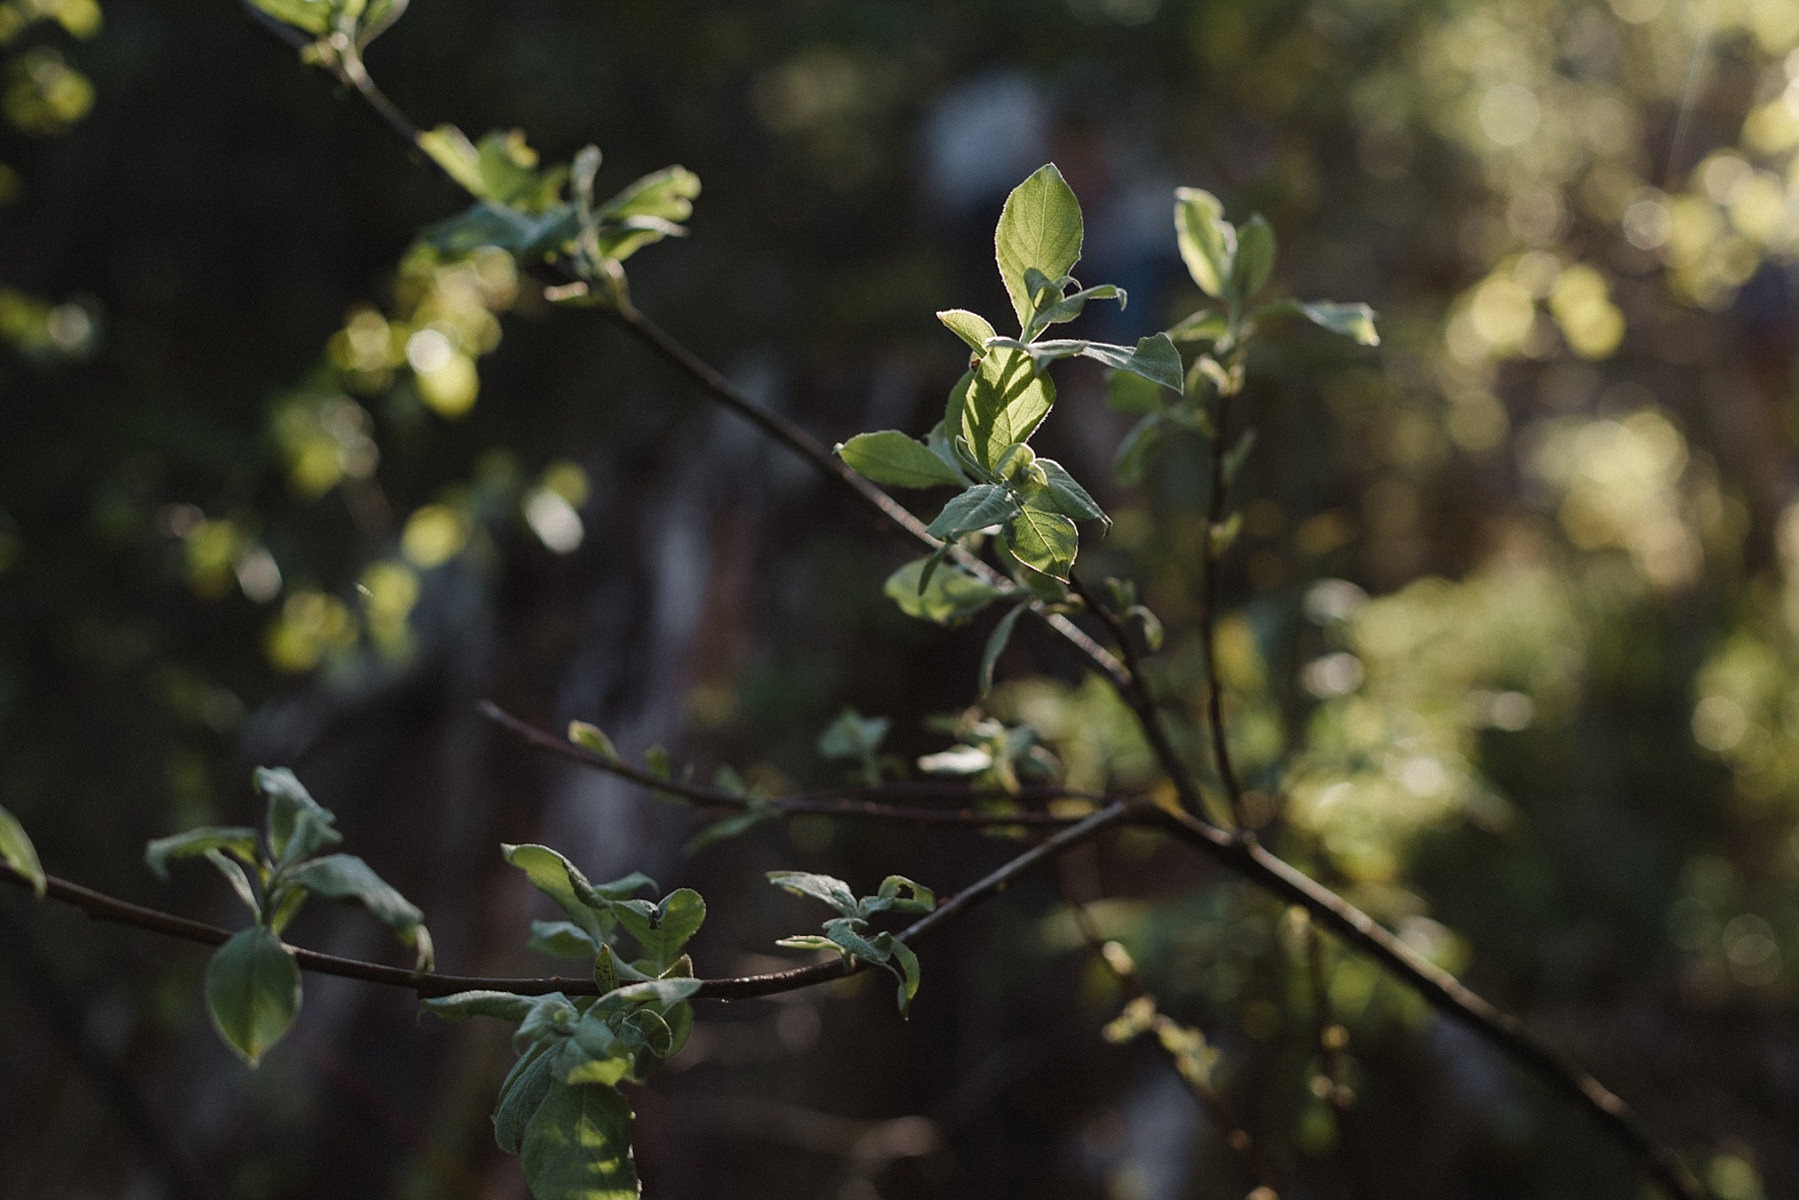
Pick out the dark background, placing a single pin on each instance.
(1556, 750)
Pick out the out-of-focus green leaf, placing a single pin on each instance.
(1208, 242)
(1255, 257)
(252, 992)
(1354, 321)
(298, 826)
(234, 839)
(311, 16)
(853, 736)
(1039, 227)
(592, 737)
(996, 645)
(951, 594)
(17, 852)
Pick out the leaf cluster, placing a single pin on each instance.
(848, 933)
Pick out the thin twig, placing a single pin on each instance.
(1207, 620)
(1439, 989)
(867, 804)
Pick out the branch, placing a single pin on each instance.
(1439, 989)
(102, 907)
(869, 804)
(1207, 620)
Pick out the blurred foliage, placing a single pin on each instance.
(1514, 626)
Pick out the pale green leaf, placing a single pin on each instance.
(577, 1145)
(449, 148)
(1001, 402)
(1067, 496)
(665, 927)
(1039, 227)
(311, 16)
(1354, 321)
(460, 1006)
(1208, 242)
(899, 894)
(1154, 358)
(970, 327)
(892, 459)
(562, 939)
(348, 878)
(554, 876)
(904, 963)
(592, 737)
(831, 891)
(252, 991)
(17, 852)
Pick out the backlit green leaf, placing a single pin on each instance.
(553, 875)
(1044, 541)
(1354, 321)
(462, 1005)
(17, 852)
(298, 826)
(1067, 496)
(1039, 227)
(1255, 257)
(312, 16)
(951, 594)
(1001, 402)
(592, 737)
(1208, 242)
(892, 459)
(252, 992)
(968, 326)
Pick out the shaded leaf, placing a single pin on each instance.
(298, 826)
(577, 1145)
(234, 839)
(666, 927)
(506, 1006)
(521, 1093)
(554, 876)
(1355, 321)
(1255, 257)
(562, 939)
(252, 992)
(899, 894)
(1069, 497)
(348, 878)
(996, 645)
(982, 505)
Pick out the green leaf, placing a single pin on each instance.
(252, 992)
(951, 595)
(666, 927)
(348, 878)
(892, 459)
(1067, 496)
(662, 992)
(548, 1019)
(1133, 452)
(726, 828)
(460, 1006)
(847, 933)
(982, 505)
(449, 148)
(377, 19)
(1039, 227)
(554, 876)
(519, 233)
(1153, 632)
(1255, 257)
(521, 1094)
(1355, 321)
(1154, 358)
(904, 963)
(298, 826)
(1001, 402)
(667, 194)
(970, 327)
(312, 16)
(562, 939)
(996, 645)
(1208, 242)
(592, 737)
(1202, 326)
(17, 852)
(809, 941)
(1043, 540)
(239, 879)
(1068, 307)
(577, 1145)
(853, 736)
(899, 894)
(234, 839)
(1130, 393)
(831, 891)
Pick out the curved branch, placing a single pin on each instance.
(868, 804)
